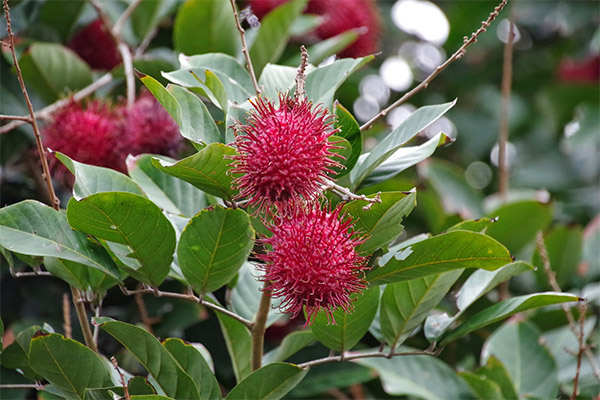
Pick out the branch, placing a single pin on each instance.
(36, 386)
(258, 329)
(581, 347)
(189, 297)
(123, 48)
(66, 305)
(346, 194)
(25, 118)
(301, 75)
(245, 48)
(541, 246)
(124, 17)
(348, 355)
(457, 55)
(47, 111)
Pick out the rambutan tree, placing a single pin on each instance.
(236, 198)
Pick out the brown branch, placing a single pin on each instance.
(541, 246)
(113, 360)
(258, 329)
(349, 355)
(123, 48)
(301, 76)
(189, 297)
(581, 348)
(24, 118)
(145, 317)
(346, 194)
(66, 305)
(47, 111)
(457, 55)
(83, 319)
(505, 110)
(245, 48)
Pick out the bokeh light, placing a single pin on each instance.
(422, 19)
(374, 88)
(396, 73)
(511, 154)
(478, 175)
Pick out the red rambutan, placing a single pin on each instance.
(339, 16)
(87, 135)
(311, 262)
(95, 45)
(149, 128)
(283, 154)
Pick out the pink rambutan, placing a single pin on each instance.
(86, 134)
(283, 154)
(339, 16)
(95, 45)
(311, 262)
(148, 128)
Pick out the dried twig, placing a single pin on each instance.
(457, 55)
(245, 48)
(121, 46)
(189, 297)
(504, 117)
(541, 246)
(300, 94)
(66, 305)
(113, 360)
(23, 118)
(47, 111)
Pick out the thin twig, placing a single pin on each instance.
(348, 355)
(580, 341)
(346, 194)
(122, 47)
(139, 51)
(66, 305)
(36, 386)
(24, 118)
(97, 312)
(258, 329)
(541, 246)
(113, 360)
(504, 117)
(145, 317)
(301, 76)
(457, 55)
(88, 336)
(47, 111)
(245, 48)
(123, 18)
(189, 297)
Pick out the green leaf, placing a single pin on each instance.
(246, 295)
(477, 284)
(205, 27)
(213, 246)
(276, 79)
(405, 305)
(494, 371)
(530, 365)
(274, 34)
(193, 363)
(67, 364)
(150, 397)
(16, 354)
(419, 376)
(79, 275)
(54, 70)
(458, 196)
(289, 346)
(483, 387)
(147, 15)
(32, 228)
(207, 170)
(62, 19)
(166, 191)
(132, 221)
(322, 378)
(238, 341)
(196, 70)
(328, 47)
(510, 229)
(404, 158)
(413, 124)
(270, 382)
(349, 130)
(446, 252)
(505, 309)
(322, 82)
(382, 221)
(90, 179)
(565, 247)
(171, 377)
(350, 327)
(165, 98)
(197, 123)
(138, 385)
(474, 225)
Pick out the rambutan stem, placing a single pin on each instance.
(301, 75)
(245, 48)
(457, 55)
(258, 329)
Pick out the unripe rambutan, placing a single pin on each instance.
(87, 135)
(311, 262)
(148, 128)
(339, 16)
(95, 45)
(283, 154)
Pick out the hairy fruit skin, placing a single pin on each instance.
(338, 16)
(312, 262)
(95, 45)
(284, 154)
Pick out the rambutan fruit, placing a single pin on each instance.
(95, 45)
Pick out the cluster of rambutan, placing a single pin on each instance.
(98, 133)
(338, 16)
(284, 156)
